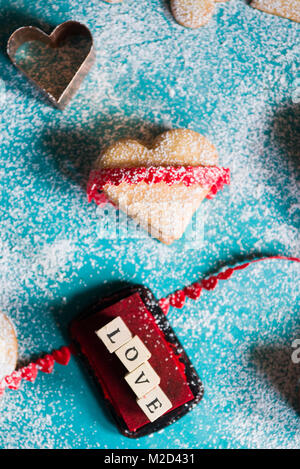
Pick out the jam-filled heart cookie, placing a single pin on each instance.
(160, 187)
(8, 347)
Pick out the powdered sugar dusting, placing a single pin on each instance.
(235, 82)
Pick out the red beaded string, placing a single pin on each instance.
(178, 298)
(30, 371)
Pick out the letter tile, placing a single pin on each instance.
(133, 354)
(154, 404)
(114, 334)
(143, 379)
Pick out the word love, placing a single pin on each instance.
(142, 378)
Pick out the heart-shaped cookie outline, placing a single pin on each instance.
(173, 147)
(69, 28)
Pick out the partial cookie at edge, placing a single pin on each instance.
(8, 346)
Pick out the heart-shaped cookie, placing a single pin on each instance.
(55, 63)
(170, 180)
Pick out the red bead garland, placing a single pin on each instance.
(193, 291)
(30, 371)
(176, 299)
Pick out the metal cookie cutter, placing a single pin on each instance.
(65, 30)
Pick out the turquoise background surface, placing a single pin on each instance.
(236, 80)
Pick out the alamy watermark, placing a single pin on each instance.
(296, 92)
(296, 353)
(166, 221)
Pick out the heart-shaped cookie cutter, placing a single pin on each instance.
(64, 30)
